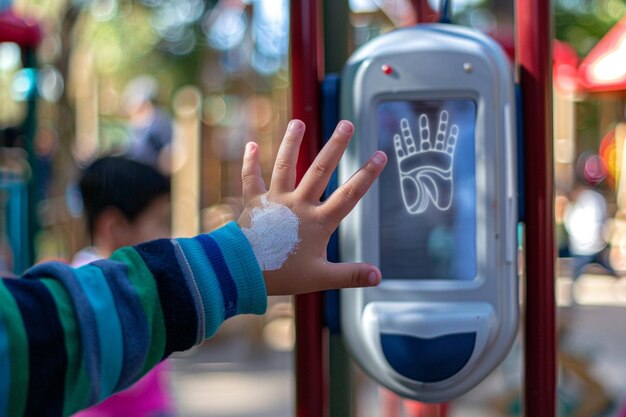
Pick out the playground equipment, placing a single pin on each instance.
(20, 205)
(533, 65)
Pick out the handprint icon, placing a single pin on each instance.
(425, 169)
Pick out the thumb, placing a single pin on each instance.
(351, 275)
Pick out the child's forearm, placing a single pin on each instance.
(71, 337)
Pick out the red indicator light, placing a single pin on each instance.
(387, 70)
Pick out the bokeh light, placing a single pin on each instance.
(24, 84)
(264, 64)
(182, 43)
(214, 110)
(104, 10)
(9, 56)
(608, 153)
(270, 25)
(594, 169)
(591, 168)
(225, 28)
(363, 6)
(50, 84)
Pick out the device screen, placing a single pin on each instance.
(428, 189)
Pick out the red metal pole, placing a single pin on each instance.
(306, 74)
(534, 53)
(423, 12)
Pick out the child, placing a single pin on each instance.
(117, 216)
(69, 338)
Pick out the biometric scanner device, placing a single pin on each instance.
(441, 220)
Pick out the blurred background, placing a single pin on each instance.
(184, 84)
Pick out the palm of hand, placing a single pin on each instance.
(425, 169)
(301, 266)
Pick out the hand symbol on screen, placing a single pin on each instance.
(426, 168)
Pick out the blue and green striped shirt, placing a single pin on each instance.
(71, 337)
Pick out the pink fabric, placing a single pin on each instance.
(148, 397)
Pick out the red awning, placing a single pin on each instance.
(604, 68)
(13, 28)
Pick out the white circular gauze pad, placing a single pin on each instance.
(273, 234)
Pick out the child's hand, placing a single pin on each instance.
(289, 227)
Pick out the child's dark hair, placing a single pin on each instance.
(119, 182)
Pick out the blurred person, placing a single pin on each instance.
(71, 337)
(560, 204)
(585, 220)
(151, 128)
(127, 203)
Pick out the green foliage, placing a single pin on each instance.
(582, 23)
(123, 41)
(126, 45)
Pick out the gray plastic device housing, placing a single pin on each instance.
(434, 61)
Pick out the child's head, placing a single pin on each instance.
(125, 202)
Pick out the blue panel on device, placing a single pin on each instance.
(330, 118)
(428, 360)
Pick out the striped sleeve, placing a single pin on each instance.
(228, 276)
(71, 337)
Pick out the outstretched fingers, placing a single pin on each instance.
(284, 173)
(397, 144)
(408, 137)
(454, 135)
(343, 200)
(253, 184)
(317, 176)
(424, 133)
(441, 130)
